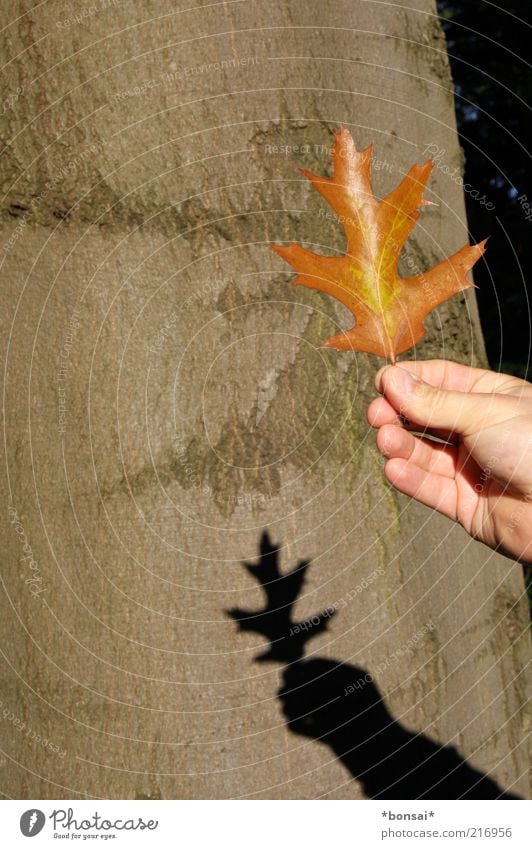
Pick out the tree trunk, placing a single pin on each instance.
(166, 399)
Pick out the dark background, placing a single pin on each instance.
(488, 50)
(490, 61)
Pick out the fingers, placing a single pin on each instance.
(462, 412)
(444, 374)
(380, 412)
(435, 491)
(434, 457)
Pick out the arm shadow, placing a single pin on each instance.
(339, 705)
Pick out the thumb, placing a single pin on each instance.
(433, 407)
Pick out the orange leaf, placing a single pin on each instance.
(389, 310)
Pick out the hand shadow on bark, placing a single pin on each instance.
(339, 705)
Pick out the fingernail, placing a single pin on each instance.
(378, 378)
(404, 380)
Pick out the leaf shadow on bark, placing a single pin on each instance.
(339, 705)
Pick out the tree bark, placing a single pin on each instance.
(166, 399)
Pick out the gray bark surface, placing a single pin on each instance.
(165, 399)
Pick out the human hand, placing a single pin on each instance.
(481, 474)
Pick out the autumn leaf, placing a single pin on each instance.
(389, 310)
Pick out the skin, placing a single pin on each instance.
(481, 474)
